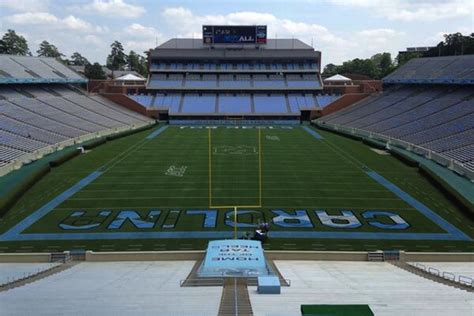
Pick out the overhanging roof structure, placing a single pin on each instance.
(435, 70)
(338, 77)
(26, 69)
(189, 48)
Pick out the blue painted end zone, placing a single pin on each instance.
(45, 209)
(157, 132)
(312, 132)
(441, 222)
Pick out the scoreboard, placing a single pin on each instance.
(234, 34)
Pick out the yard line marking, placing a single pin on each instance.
(259, 178)
(313, 133)
(156, 132)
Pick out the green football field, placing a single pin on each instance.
(180, 189)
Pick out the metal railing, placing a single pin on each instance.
(462, 279)
(27, 275)
(450, 163)
(202, 282)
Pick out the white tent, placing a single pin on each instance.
(130, 77)
(338, 78)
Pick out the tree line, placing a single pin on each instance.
(380, 65)
(376, 67)
(14, 44)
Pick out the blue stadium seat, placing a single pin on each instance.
(194, 103)
(275, 103)
(234, 104)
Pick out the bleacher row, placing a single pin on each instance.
(445, 70)
(233, 66)
(437, 118)
(237, 81)
(192, 103)
(34, 117)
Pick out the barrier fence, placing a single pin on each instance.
(462, 279)
(38, 154)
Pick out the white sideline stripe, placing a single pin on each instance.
(204, 189)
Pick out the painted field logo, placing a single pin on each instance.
(235, 150)
(176, 171)
(271, 137)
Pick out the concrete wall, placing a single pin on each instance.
(317, 255)
(272, 254)
(344, 101)
(144, 256)
(25, 257)
(438, 256)
(125, 101)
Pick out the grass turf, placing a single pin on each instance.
(267, 169)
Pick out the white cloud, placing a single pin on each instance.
(188, 24)
(111, 9)
(74, 23)
(94, 40)
(409, 10)
(25, 5)
(373, 41)
(139, 30)
(141, 38)
(32, 18)
(50, 21)
(139, 46)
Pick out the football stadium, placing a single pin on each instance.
(235, 179)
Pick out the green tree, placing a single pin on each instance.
(78, 60)
(117, 59)
(359, 66)
(384, 64)
(94, 71)
(49, 50)
(404, 57)
(137, 63)
(331, 69)
(14, 44)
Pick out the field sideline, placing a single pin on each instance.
(177, 190)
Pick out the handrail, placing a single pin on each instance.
(444, 274)
(39, 153)
(420, 266)
(449, 276)
(465, 280)
(433, 271)
(27, 275)
(218, 281)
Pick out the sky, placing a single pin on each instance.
(340, 29)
